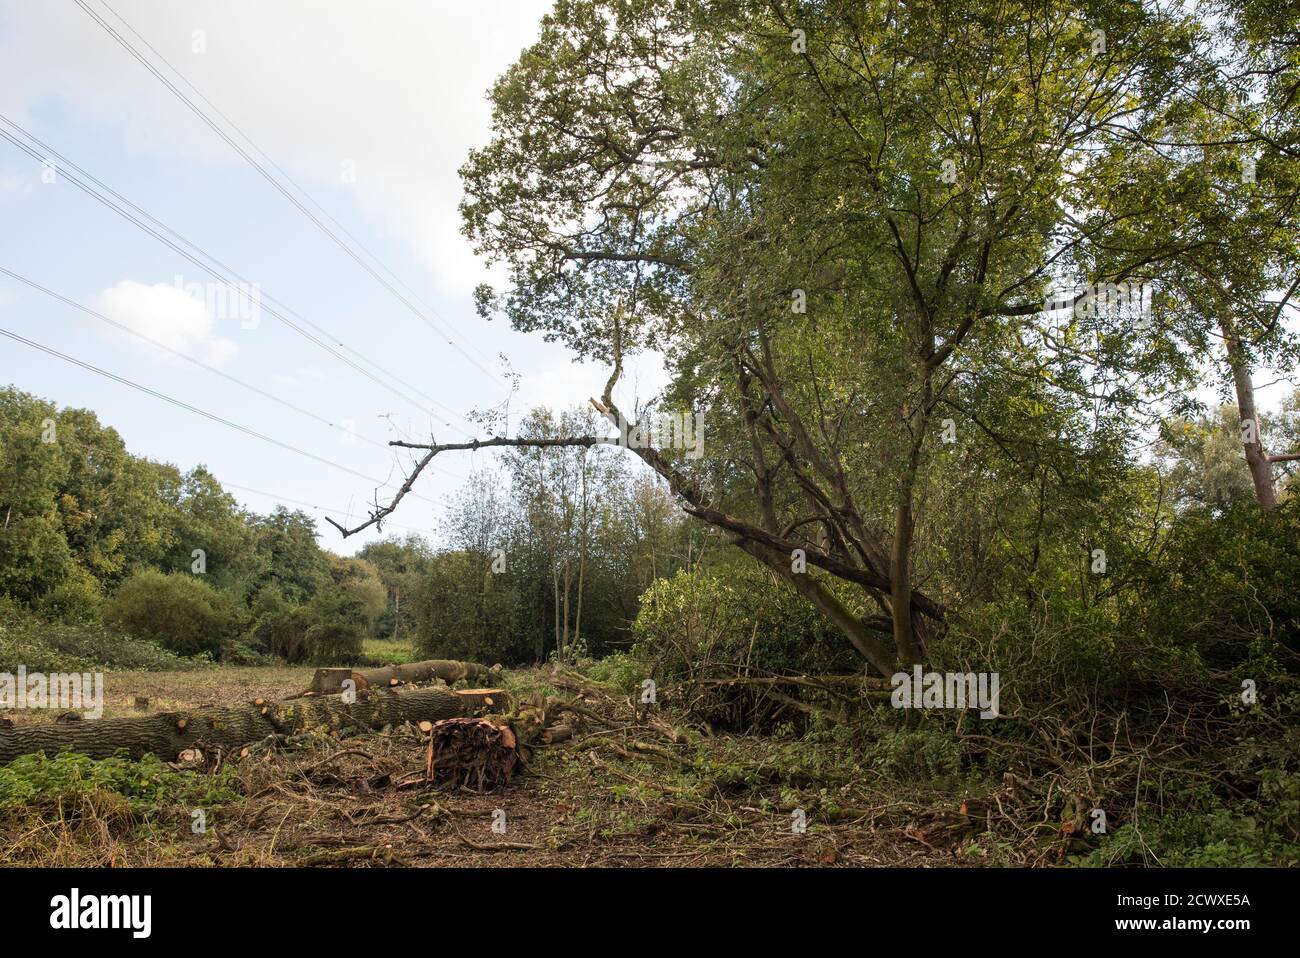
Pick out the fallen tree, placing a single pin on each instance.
(449, 670)
(168, 734)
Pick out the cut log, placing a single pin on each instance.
(170, 733)
(449, 670)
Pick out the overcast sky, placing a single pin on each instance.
(371, 107)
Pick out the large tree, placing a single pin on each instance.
(841, 222)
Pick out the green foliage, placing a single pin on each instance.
(293, 560)
(1206, 833)
(467, 612)
(83, 518)
(77, 598)
(359, 581)
(52, 646)
(621, 671)
(1225, 584)
(389, 652)
(912, 754)
(180, 611)
(338, 630)
(147, 784)
(402, 564)
(735, 613)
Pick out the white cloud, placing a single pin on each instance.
(169, 315)
(393, 87)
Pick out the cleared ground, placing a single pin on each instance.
(620, 793)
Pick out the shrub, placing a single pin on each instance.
(463, 611)
(735, 618)
(279, 626)
(78, 598)
(178, 610)
(338, 632)
(740, 613)
(40, 645)
(620, 670)
(908, 754)
(1225, 584)
(146, 784)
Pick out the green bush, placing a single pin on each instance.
(338, 633)
(77, 598)
(40, 645)
(734, 618)
(621, 670)
(737, 613)
(1225, 584)
(1208, 834)
(178, 610)
(908, 754)
(464, 611)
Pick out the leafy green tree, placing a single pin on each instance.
(293, 560)
(208, 518)
(359, 580)
(402, 564)
(843, 222)
(338, 629)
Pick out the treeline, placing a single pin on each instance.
(551, 553)
(551, 556)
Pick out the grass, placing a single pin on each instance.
(187, 689)
(391, 651)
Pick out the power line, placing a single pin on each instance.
(211, 124)
(271, 162)
(225, 280)
(199, 412)
(176, 352)
(197, 362)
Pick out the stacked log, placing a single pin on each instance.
(448, 670)
(168, 734)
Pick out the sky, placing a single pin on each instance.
(370, 108)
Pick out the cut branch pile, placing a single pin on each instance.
(477, 753)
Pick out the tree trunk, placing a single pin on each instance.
(170, 733)
(582, 554)
(900, 574)
(568, 584)
(900, 558)
(555, 592)
(1261, 470)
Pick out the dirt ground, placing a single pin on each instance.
(614, 795)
